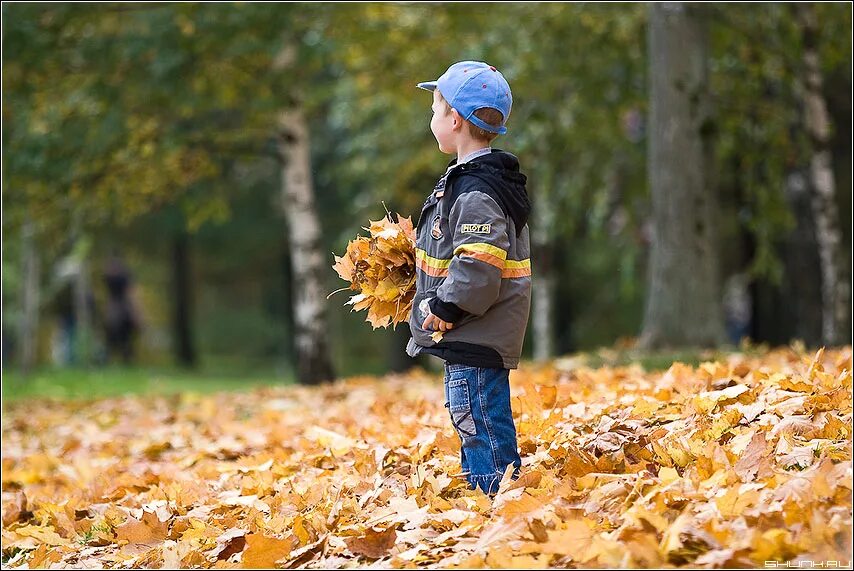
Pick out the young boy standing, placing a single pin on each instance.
(473, 284)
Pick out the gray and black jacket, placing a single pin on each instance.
(473, 264)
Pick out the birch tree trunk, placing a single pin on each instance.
(307, 261)
(835, 286)
(683, 301)
(29, 297)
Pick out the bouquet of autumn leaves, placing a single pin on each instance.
(381, 268)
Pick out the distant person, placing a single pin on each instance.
(473, 285)
(9, 344)
(121, 320)
(738, 307)
(63, 305)
(66, 320)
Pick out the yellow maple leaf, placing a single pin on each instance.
(262, 551)
(147, 530)
(382, 269)
(45, 535)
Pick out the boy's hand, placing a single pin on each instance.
(433, 322)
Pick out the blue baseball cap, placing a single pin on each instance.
(471, 85)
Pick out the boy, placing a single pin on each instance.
(473, 284)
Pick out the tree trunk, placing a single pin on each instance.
(398, 361)
(310, 326)
(543, 290)
(182, 332)
(29, 297)
(82, 311)
(543, 280)
(289, 352)
(683, 301)
(801, 290)
(834, 277)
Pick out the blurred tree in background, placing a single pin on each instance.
(166, 133)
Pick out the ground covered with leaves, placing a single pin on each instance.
(731, 463)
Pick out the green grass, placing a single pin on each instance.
(649, 361)
(658, 360)
(79, 383)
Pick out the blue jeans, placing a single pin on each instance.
(478, 399)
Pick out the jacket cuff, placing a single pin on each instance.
(445, 310)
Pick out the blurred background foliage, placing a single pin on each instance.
(148, 131)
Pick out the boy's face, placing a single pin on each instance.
(446, 125)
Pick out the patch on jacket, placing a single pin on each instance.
(474, 228)
(436, 232)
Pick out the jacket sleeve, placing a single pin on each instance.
(480, 249)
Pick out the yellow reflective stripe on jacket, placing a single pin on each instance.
(485, 258)
(515, 264)
(431, 261)
(431, 266)
(516, 269)
(482, 247)
(487, 253)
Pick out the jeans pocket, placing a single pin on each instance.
(459, 405)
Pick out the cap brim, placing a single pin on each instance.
(428, 85)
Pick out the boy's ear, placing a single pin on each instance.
(458, 119)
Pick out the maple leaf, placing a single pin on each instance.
(147, 530)
(576, 538)
(15, 510)
(43, 556)
(231, 542)
(373, 544)
(262, 551)
(748, 464)
(43, 534)
(707, 471)
(381, 268)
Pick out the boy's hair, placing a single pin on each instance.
(488, 115)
